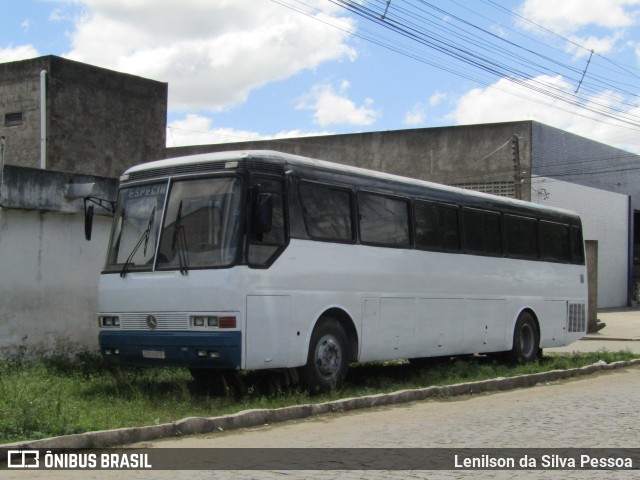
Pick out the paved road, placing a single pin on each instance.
(596, 411)
(597, 345)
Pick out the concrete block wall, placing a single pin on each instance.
(449, 155)
(20, 93)
(98, 121)
(49, 273)
(49, 281)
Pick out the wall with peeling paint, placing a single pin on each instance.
(48, 272)
(49, 280)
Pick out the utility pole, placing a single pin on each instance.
(517, 171)
(2, 142)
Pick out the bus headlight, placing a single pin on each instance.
(109, 321)
(201, 321)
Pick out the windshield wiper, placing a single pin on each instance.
(180, 240)
(144, 238)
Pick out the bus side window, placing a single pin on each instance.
(384, 221)
(555, 242)
(264, 247)
(482, 232)
(521, 235)
(327, 212)
(577, 245)
(437, 226)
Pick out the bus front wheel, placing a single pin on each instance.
(328, 358)
(526, 339)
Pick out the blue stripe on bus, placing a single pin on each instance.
(178, 348)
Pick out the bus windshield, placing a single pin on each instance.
(199, 228)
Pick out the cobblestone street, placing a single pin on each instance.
(596, 411)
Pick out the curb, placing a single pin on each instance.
(254, 418)
(610, 339)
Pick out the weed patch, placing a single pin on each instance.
(61, 395)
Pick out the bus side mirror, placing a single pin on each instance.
(262, 214)
(88, 212)
(88, 221)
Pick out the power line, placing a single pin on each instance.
(398, 20)
(620, 66)
(415, 25)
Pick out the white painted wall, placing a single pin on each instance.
(48, 279)
(605, 218)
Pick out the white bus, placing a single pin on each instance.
(263, 260)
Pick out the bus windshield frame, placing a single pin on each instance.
(177, 224)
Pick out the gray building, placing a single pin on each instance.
(63, 123)
(476, 156)
(69, 116)
(493, 157)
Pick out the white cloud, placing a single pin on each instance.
(334, 107)
(437, 98)
(416, 116)
(418, 113)
(505, 102)
(568, 16)
(198, 130)
(602, 45)
(21, 52)
(577, 19)
(212, 53)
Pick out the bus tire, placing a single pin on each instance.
(526, 339)
(328, 358)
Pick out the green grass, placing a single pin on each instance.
(60, 396)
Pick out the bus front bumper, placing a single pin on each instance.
(220, 350)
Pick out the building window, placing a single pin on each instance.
(13, 119)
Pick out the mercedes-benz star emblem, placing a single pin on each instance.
(152, 322)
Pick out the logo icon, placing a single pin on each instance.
(23, 459)
(152, 322)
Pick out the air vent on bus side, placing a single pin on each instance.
(577, 320)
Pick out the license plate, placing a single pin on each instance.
(153, 354)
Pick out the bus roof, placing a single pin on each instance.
(287, 158)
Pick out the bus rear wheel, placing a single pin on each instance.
(526, 340)
(328, 358)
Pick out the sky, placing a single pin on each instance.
(258, 69)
